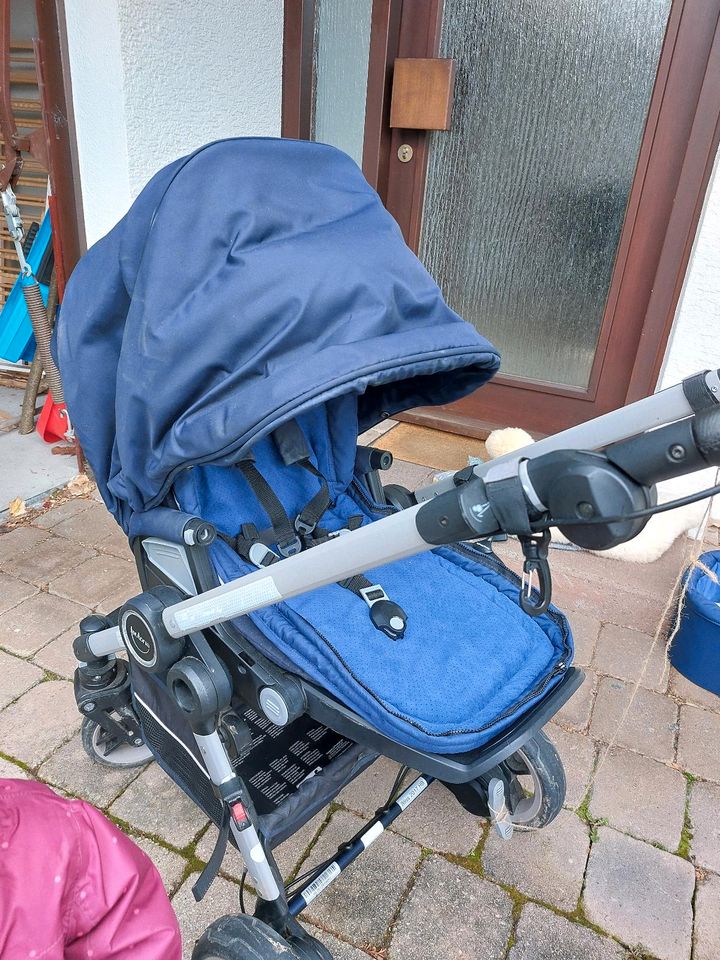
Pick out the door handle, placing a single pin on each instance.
(422, 93)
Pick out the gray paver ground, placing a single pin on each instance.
(640, 894)
(75, 552)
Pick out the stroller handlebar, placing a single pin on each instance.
(597, 493)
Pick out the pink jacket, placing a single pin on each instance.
(73, 887)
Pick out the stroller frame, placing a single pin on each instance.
(600, 473)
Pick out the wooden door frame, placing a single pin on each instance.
(676, 159)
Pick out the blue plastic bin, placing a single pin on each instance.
(695, 651)
(17, 341)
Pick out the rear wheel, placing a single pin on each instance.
(242, 937)
(534, 781)
(108, 751)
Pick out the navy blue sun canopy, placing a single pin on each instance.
(250, 281)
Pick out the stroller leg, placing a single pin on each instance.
(230, 789)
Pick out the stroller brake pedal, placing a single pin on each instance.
(499, 814)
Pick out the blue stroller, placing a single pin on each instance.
(222, 349)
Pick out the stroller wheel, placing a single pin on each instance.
(105, 750)
(534, 781)
(538, 791)
(242, 937)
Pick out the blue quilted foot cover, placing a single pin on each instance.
(470, 661)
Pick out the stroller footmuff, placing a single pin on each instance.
(221, 357)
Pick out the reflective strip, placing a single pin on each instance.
(233, 604)
(372, 834)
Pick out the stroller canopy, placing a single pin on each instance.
(250, 281)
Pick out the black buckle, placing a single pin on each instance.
(535, 551)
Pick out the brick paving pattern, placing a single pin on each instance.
(630, 868)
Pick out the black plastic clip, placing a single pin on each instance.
(535, 551)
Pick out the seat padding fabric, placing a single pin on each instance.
(470, 661)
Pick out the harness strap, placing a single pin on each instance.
(285, 534)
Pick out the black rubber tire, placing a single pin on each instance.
(399, 496)
(543, 763)
(538, 759)
(126, 757)
(241, 938)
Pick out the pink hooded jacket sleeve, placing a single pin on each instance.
(73, 887)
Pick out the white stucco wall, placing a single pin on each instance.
(154, 80)
(195, 71)
(99, 105)
(695, 339)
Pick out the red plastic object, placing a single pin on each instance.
(52, 423)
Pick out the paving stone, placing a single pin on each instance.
(153, 804)
(707, 919)
(436, 820)
(170, 865)
(88, 526)
(72, 769)
(37, 723)
(115, 543)
(374, 433)
(543, 935)
(194, 918)
(610, 603)
(577, 753)
(13, 592)
(361, 903)
(50, 559)
(633, 656)
(545, 864)
(650, 724)
(338, 948)
(687, 690)
(16, 542)
(57, 656)
(120, 596)
(12, 771)
(410, 475)
(287, 855)
(453, 914)
(585, 630)
(704, 806)
(640, 796)
(699, 742)
(641, 895)
(576, 712)
(91, 582)
(655, 580)
(61, 512)
(36, 621)
(16, 676)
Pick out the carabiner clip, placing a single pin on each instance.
(535, 550)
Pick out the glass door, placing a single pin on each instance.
(526, 193)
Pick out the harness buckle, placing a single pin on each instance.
(387, 616)
(290, 547)
(261, 555)
(303, 527)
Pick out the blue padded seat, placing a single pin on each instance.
(470, 661)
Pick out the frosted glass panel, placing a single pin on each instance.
(526, 193)
(342, 47)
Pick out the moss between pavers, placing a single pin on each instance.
(686, 834)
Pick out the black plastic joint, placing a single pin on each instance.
(698, 394)
(197, 532)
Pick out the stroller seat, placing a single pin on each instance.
(469, 662)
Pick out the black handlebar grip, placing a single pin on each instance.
(706, 431)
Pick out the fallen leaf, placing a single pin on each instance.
(17, 507)
(80, 485)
